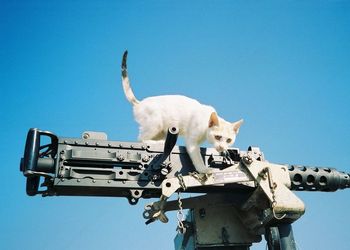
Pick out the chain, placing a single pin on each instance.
(180, 216)
(181, 182)
(273, 187)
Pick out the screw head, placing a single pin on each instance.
(164, 171)
(247, 159)
(145, 158)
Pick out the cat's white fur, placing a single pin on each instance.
(196, 122)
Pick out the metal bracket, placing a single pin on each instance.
(273, 181)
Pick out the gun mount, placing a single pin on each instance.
(252, 196)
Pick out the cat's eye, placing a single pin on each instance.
(218, 137)
(229, 140)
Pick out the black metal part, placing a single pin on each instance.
(317, 179)
(34, 161)
(287, 237)
(169, 144)
(272, 237)
(280, 237)
(189, 231)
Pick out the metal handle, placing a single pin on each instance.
(170, 141)
(30, 161)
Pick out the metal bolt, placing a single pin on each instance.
(86, 135)
(108, 181)
(93, 181)
(145, 158)
(164, 171)
(78, 180)
(120, 158)
(247, 159)
(202, 213)
(263, 173)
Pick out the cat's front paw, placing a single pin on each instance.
(202, 177)
(207, 171)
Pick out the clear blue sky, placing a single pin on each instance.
(283, 66)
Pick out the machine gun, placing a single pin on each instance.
(243, 198)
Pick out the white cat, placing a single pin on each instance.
(196, 122)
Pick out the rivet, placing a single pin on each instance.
(164, 171)
(247, 159)
(145, 158)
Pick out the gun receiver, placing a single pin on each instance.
(74, 166)
(257, 191)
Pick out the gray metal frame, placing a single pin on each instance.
(244, 196)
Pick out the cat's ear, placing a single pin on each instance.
(237, 125)
(213, 120)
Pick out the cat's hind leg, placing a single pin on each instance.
(151, 135)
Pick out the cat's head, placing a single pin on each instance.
(222, 134)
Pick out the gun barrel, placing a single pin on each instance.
(317, 179)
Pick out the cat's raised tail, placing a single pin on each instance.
(126, 82)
